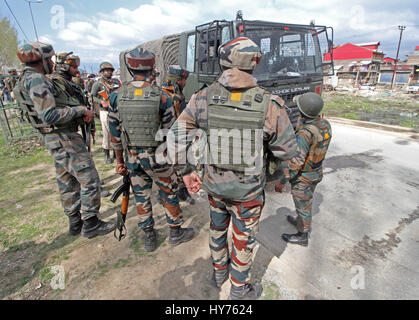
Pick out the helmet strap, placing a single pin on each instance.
(47, 66)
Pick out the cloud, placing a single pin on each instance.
(104, 35)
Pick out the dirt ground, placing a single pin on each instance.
(105, 268)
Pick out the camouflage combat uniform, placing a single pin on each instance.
(143, 167)
(233, 195)
(57, 114)
(103, 84)
(77, 177)
(305, 170)
(172, 89)
(78, 81)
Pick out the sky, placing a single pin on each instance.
(97, 30)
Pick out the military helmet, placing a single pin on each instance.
(35, 51)
(67, 58)
(240, 52)
(12, 70)
(176, 71)
(310, 104)
(106, 65)
(140, 59)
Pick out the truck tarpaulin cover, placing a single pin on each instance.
(166, 51)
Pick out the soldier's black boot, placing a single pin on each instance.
(294, 222)
(150, 239)
(93, 227)
(219, 277)
(107, 158)
(75, 224)
(246, 292)
(179, 235)
(300, 238)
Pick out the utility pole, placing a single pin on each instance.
(401, 28)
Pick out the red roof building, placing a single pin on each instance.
(354, 52)
(389, 60)
(356, 64)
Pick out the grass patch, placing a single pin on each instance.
(45, 274)
(393, 112)
(121, 263)
(270, 291)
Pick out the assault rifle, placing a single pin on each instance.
(88, 129)
(121, 216)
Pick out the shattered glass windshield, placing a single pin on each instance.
(286, 54)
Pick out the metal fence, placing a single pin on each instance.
(14, 124)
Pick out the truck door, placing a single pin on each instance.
(199, 53)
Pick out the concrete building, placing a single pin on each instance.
(355, 64)
(407, 71)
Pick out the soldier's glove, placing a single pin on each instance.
(279, 187)
(192, 182)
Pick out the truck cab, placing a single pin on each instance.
(291, 63)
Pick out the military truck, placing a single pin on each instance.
(291, 64)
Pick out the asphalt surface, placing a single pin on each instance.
(364, 242)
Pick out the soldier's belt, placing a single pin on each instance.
(70, 129)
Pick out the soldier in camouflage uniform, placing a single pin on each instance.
(235, 190)
(105, 83)
(305, 170)
(89, 84)
(10, 83)
(173, 87)
(136, 113)
(65, 70)
(57, 115)
(78, 80)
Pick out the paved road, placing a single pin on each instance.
(364, 242)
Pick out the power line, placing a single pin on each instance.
(33, 21)
(17, 21)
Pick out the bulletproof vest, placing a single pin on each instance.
(61, 100)
(139, 114)
(232, 114)
(321, 131)
(68, 90)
